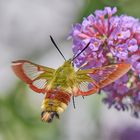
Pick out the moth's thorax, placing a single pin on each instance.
(63, 78)
(54, 104)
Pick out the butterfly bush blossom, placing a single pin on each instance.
(113, 39)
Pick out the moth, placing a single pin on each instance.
(61, 85)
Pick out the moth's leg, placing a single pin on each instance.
(73, 100)
(83, 97)
(82, 65)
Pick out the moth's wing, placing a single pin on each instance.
(91, 80)
(36, 76)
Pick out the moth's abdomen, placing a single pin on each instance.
(54, 104)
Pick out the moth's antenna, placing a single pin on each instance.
(73, 102)
(80, 52)
(57, 47)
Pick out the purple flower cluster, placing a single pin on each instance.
(113, 39)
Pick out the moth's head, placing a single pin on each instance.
(68, 63)
(47, 116)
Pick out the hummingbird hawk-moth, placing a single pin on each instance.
(61, 84)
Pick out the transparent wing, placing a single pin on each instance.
(36, 76)
(91, 80)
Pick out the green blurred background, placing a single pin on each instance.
(25, 27)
